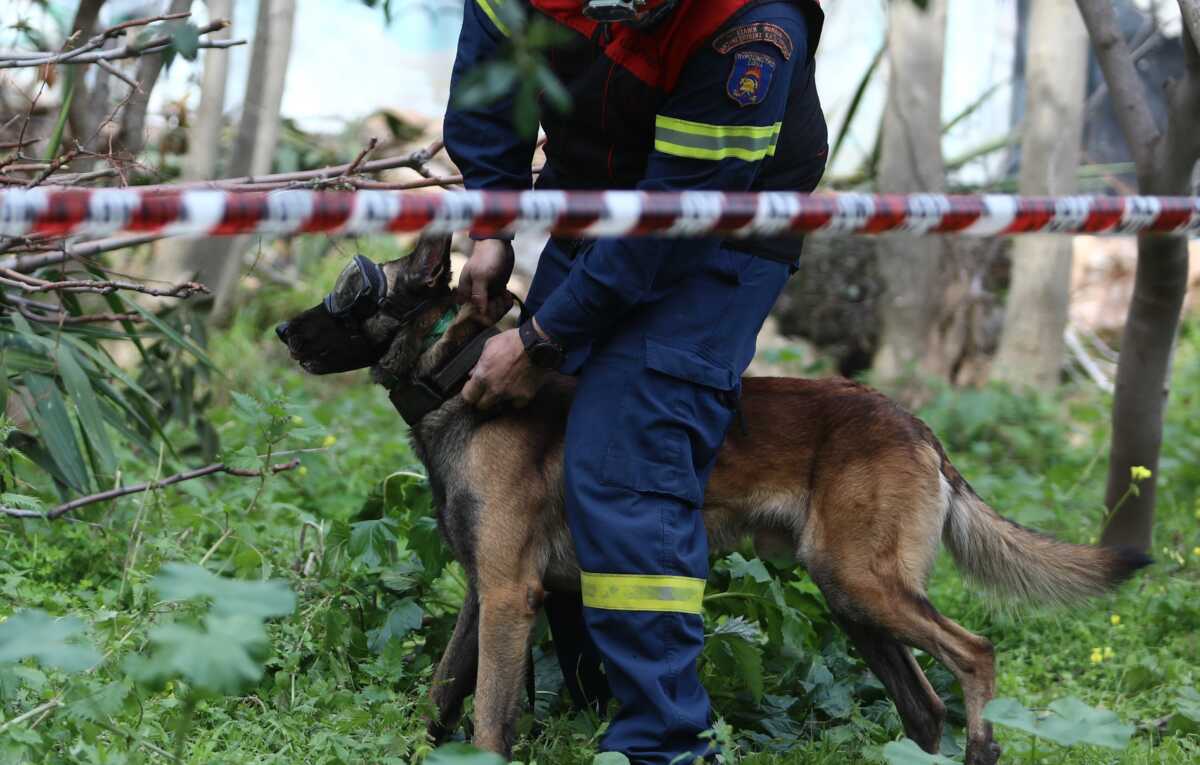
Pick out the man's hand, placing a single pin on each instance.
(503, 373)
(486, 274)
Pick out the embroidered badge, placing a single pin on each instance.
(751, 33)
(750, 78)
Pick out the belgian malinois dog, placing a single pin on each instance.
(856, 488)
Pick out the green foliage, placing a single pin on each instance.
(521, 70)
(335, 667)
(80, 403)
(462, 754)
(35, 634)
(906, 752)
(1069, 722)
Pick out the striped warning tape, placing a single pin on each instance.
(582, 213)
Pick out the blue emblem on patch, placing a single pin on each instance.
(750, 77)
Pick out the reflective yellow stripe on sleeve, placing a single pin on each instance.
(699, 140)
(635, 592)
(487, 7)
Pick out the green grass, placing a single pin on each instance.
(336, 689)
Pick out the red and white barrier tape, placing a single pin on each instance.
(580, 213)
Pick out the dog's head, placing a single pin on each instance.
(374, 312)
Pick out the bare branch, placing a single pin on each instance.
(20, 144)
(1190, 10)
(37, 312)
(56, 164)
(411, 160)
(362, 155)
(30, 284)
(31, 263)
(104, 496)
(68, 179)
(1128, 96)
(87, 53)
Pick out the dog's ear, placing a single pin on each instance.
(429, 263)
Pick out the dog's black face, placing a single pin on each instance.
(325, 344)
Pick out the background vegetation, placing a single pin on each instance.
(290, 605)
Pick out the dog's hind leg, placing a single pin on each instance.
(456, 672)
(920, 709)
(904, 613)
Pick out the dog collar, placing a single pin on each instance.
(421, 395)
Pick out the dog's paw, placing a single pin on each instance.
(984, 753)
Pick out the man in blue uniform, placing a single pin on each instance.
(673, 95)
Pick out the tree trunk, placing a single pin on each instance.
(82, 115)
(911, 160)
(1031, 346)
(132, 135)
(1165, 160)
(178, 260)
(219, 260)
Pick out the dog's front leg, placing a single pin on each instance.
(507, 614)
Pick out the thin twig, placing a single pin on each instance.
(91, 52)
(61, 318)
(51, 704)
(20, 144)
(362, 155)
(102, 287)
(188, 475)
(55, 165)
(115, 72)
(67, 179)
(418, 157)
(90, 249)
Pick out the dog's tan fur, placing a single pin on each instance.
(855, 488)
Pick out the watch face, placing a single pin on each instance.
(545, 355)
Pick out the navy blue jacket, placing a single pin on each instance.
(718, 96)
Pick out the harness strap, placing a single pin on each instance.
(418, 397)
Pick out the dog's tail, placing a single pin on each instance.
(1012, 560)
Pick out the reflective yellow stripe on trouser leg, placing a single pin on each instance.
(637, 592)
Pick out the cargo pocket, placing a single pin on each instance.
(672, 419)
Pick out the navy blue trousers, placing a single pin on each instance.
(654, 400)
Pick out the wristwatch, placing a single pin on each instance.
(542, 352)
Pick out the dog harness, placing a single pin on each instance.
(419, 396)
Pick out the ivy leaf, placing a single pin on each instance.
(1075, 722)
(740, 568)
(372, 541)
(219, 659)
(185, 38)
(906, 752)
(36, 634)
(230, 597)
(401, 620)
(1011, 714)
(740, 628)
(1070, 722)
(245, 458)
(462, 754)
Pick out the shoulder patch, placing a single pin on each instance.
(751, 33)
(750, 77)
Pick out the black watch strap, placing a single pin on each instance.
(544, 353)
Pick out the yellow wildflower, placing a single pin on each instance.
(1196, 551)
(1108, 652)
(303, 471)
(1097, 656)
(297, 419)
(1139, 473)
(1115, 619)
(329, 441)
